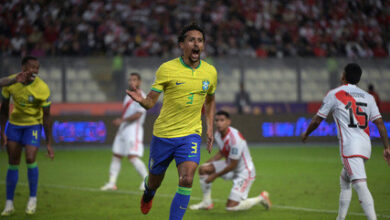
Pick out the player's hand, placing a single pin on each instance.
(211, 178)
(22, 77)
(210, 140)
(117, 121)
(304, 137)
(50, 152)
(386, 155)
(135, 94)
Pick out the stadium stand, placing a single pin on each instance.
(250, 28)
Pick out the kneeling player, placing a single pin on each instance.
(237, 167)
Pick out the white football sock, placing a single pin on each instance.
(366, 200)
(245, 204)
(115, 167)
(206, 188)
(345, 196)
(139, 167)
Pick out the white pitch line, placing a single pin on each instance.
(129, 192)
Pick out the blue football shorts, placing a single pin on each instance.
(25, 135)
(164, 150)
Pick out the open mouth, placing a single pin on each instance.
(33, 76)
(195, 53)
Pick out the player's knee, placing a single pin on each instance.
(154, 186)
(202, 170)
(185, 180)
(30, 159)
(14, 160)
(206, 169)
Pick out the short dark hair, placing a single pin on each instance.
(353, 72)
(27, 58)
(222, 112)
(190, 27)
(371, 87)
(136, 74)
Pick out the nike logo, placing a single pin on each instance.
(179, 83)
(182, 207)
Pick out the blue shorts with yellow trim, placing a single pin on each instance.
(164, 150)
(25, 135)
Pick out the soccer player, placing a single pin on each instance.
(237, 167)
(352, 107)
(187, 82)
(129, 138)
(31, 110)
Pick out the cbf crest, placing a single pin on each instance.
(205, 85)
(30, 98)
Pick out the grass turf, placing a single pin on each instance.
(296, 177)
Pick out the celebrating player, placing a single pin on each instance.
(187, 82)
(129, 138)
(237, 167)
(31, 109)
(352, 107)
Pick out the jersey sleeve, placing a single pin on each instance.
(236, 150)
(327, 105)
(161, 79)
(47, 100)
(5, 92)
(374, 111)
(213, 85)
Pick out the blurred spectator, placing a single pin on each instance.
(269, 28)
(375, 94)
(242, 100)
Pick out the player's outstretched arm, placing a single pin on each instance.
(147, 102)
(4, 114)
(385, 139)
(315, 122)
(20, 77)
(210, 111)
(6, 81)
(47, 128)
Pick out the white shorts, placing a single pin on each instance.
(242, 181)
(127, 146)
(353, 168)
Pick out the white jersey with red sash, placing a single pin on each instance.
(352, 108)
(133, 130)
(234, 146)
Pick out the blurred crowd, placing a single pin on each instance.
(254, 28)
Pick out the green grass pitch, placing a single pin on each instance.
(303, 182)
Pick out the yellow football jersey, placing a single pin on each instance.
(185, 90)
(28, 101)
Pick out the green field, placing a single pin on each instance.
(303, 183)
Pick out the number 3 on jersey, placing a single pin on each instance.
(358, 113)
